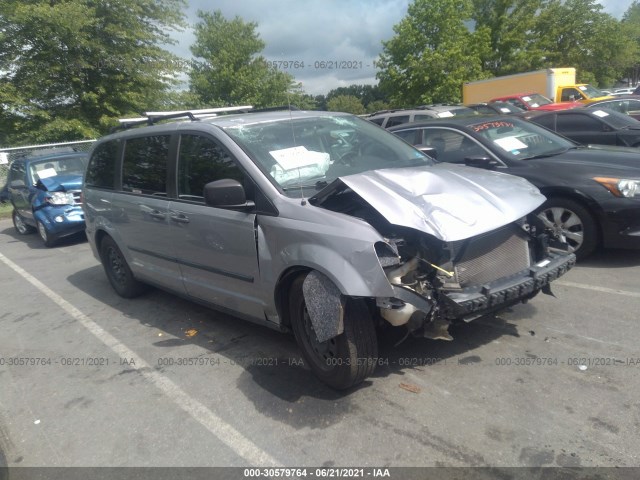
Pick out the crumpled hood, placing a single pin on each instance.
(62, 183)
(447, 201)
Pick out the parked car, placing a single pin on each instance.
(534, 101)
(597, 126)
(45, 193)
(491, 108)
(593, 194)
(627, 104)
(623, 91)
(318, 222)
(390, 118)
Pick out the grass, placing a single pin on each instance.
(5, 210)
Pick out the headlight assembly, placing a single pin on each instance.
(620, 187)
(59, 198)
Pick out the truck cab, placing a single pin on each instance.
(582, 93)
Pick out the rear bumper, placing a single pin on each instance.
(477, 300)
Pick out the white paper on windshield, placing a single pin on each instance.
(296, 157)
(505, 110)
(582, 87)
(445, 114)
(47, 172)
(526, 99)
(4, 158)
(600, 113)
(510, 144)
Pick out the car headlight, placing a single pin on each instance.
(60, 198)
(620, 187)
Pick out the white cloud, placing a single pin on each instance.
(349, 32)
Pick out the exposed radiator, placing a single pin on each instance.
(491, 256)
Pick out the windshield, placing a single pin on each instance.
(536, 100)
(591, 91)
(56, 166)
(313, 151)
(520, 140)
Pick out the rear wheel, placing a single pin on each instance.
(118, 271)
(21, 227)
(569, 222)
(343, 361)
(48, 239)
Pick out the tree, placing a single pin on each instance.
(509, 44)
(431, 54)
(577, 33)
(228, 69)
(346, 103)
(365, 93)
(72, 67)
(630, 29)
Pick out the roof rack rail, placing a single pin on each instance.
(151, 118)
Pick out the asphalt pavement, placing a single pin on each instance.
(88, 379)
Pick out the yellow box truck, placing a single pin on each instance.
(558, 84)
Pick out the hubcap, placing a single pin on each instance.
(564, 225)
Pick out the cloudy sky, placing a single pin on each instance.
(322, 34)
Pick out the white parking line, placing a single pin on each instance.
(218, 427)
(597, 288)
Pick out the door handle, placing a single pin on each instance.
(157, 214)
(179, 218)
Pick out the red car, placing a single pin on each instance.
(534, 101)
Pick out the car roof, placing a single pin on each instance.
(617, 98)
(45, 156)
(436, 107)
(456, 122)
(221, 121)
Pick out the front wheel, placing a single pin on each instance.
(21, 227)
(118, 271)
(569, 222)
(343, 361)
(48, 239)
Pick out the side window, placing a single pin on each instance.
(410, 136)
(517, 103)
(483, 109)
(102, 166)
(420, 116)
(618, 106)
(578, 123)
(633, 108)
(378, 121)
(201, 160)
(397, 120)
(452, 146)
(144, 168)
(546, 121)
(570, 95)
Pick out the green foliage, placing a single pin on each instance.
(365, 93)
(630, 29)
(431, 55)
(74, 66)
(346, 103)
(228, 69)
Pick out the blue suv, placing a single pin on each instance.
(45, 193)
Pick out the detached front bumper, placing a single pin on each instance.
(477, 300)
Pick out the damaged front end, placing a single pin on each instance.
(437, 283)
(442, 265)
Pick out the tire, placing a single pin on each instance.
(341, 362)
(569, 220)
(21, 227)
(118, 272)
(48, 239)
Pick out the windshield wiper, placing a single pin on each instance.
(550, 154)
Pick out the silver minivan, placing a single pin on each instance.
(316, 222)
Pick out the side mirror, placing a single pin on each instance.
(481, 162)
(226, 193)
